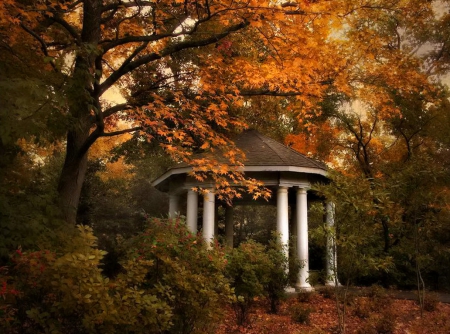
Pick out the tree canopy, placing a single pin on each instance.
(189, 70)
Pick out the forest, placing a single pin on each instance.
(99, 97)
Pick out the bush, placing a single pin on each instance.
(169, 282)
(247, 271)
(314, 277)
(384, 324)
(377, 292)
(186, 274)
(300, 313)
(278, 278)
(255, 271)
(67, 293)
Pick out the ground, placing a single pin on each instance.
(371, 314)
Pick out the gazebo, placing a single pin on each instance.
(288, 173)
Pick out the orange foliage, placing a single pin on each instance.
(185, 67)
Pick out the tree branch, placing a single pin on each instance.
(120, 132)
(130, 4)
(127, 68)
(71, 30)
(41, 41)
(115, 109)
(266, 92)
(98, 132)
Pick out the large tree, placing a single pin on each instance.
(187, 70)
(150, 51)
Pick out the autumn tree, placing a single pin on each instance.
(147, 49)
(189, 70)
(385, 135)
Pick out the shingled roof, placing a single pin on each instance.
(261, 150)
(263, 154)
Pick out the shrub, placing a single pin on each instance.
(67, 293)
(350, 296)
(247, 271)
(377, 292)
(314, 277)
(383, 324)
(300, 313)
(186, 274)
(169, 282)
(277, 272)
(256, 271)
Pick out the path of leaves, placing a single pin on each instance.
(323, 319)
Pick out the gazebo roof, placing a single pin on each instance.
(263, 155)
(261, 150)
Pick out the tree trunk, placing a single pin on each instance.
(71, 179)
(82, 102)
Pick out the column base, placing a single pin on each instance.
(332, 283)
(305, 287)
(290, 290)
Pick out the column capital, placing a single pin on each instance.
(303, 188)
(282, 188)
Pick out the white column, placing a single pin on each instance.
(174, 205)
(283, 218)
(302, 240)
(229, 225)
(294, 227)
(192, 211)
(331, 264)
(208, 216)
